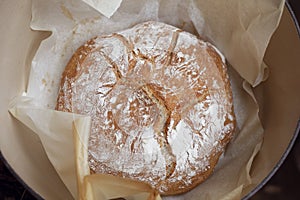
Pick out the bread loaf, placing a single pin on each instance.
(160, 103)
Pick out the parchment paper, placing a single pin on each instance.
(240, 29)
(107, 8)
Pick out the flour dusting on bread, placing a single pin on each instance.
(160, 103)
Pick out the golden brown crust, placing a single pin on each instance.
(70, 73)
(160, 101)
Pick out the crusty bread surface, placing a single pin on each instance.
(160, 103)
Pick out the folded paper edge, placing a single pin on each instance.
(104, 7)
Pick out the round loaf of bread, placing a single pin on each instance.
(160, 103)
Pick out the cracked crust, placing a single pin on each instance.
(160, 102)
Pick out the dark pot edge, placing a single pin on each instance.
(19, 179)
